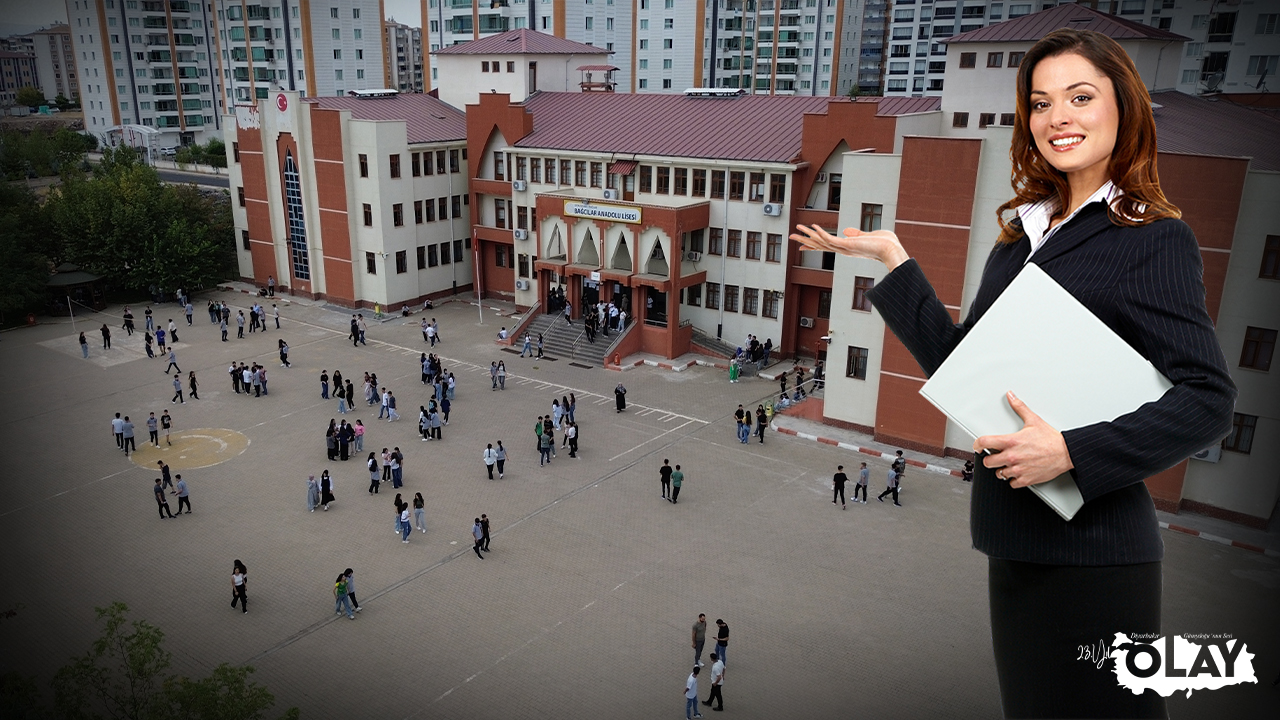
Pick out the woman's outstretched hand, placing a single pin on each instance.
(881, 245)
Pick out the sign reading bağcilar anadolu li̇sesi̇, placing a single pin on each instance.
(616, 213)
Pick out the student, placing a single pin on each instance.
(166, 423)
(84, 346)
(239, 587)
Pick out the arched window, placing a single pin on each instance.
(297, 222)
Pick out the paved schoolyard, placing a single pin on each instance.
(584, 606)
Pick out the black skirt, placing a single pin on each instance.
(1042, 619)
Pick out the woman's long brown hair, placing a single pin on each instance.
(1133, 161)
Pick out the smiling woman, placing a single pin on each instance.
(1088, 210)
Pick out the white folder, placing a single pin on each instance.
(1057, 357)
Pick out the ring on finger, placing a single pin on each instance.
(1000, 474)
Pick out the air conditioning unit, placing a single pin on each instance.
(1210, 454)
(518, 185)
(522, 284)
(806, 322)
(693, 256)
(822, 177)
(773, 209)
(520, 234)
(610, 194)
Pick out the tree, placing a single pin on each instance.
(123, 675)
(124, 223)
(26, 249)
(30, 96)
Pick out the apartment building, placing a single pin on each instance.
(360, 199)
(519, 63)
(316, 48)
(17, 70)
(147, 62)
(939, 190)
(403, 51)
(55, 62)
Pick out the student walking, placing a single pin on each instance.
(165, 479)
(571, 436)
(162, 502)
(183, 494)
(419, 512)
(351, 588)
(490, 457)
(397, 470)
(160, 339)
(762, 422)
(239, 586)
(173, 331)
(664, 477)
(502, 375)
(477, 533)
(405, 527)
(106, 337)
(326, 489)
(173, 362)
(126, 432)
(190, 310)
(677, 478)
(837, 487)
(284, 354)
(153, 430)
(501, 459)
(177, 390)
(620, 397)
(342, 599)
(527, 349)
(891, 488)
(864, 475)
(324, 384)
(717, 681)
(374, 478)
(275, 313)
(192, 385)
(222, 326)
(166, 424)
(117, 430)
(313, 493)
(239, 324)
(484, 527)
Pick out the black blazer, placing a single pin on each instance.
(1146, 283)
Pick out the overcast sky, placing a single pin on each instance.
(23, 16)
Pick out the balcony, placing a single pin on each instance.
(188, 72)
(184, 40)
(159, 56)
(167, 105)
(162, 89)
(190, 88)
(179, 6)
(194, 120)
(157, 23)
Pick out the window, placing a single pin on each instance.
(985, 119)
(699, 183)
(715, 241)
(860, 287)
(402, 261)
(337, 34)
(443, 205)
(368, 215)
(1015, 59)
(750, 301)
(833, 191)
(580, 173)
(370, 263)
(397, 214)
(445, 255)
(511, 66)
(777, 188)
(734, 244)
(455, 206)
(664, 181)
(1267, 23)
(416, 163)
(753, 246)
(535, 169)
(395, 166)
(856, 366)
(240, 195)
(566, 167)
(1222, 26)
(1007, 119)
(433, 258)
(454, 165)
(364, 165)
(244, 239)
(773, 248)
(960, 119)
(667, 44)
(871, 215)
(755, 189)
(968, 59)
(771, 298)
(1241, 438)
(333, 13)
(1270, 269)
(1262, 64)
(235, 149)
(429, 210)
(1133, 7)
(737, 185)
(713, 296)
(500, 213)
(1259, 345)
(417, 212)
(337, 54)
(646, 178)
(522, 262)
(693, 295)
(551, 171)
(681, 184)
(994, 59)
(731, 298)
(824, 304)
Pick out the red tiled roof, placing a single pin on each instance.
(904, 105)
(765, 128)
(1198, 126)
(428, 119)
(598, 67)
(521, 42)
(1078, 17)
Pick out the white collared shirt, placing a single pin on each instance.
(1035, 216)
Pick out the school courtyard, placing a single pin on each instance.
(584, 606)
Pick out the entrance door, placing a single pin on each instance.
(590, 293)
(628, 187)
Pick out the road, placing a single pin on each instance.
(177, 176)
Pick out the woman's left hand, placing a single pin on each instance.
(1035, 454)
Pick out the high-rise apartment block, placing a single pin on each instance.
(317, 48)
(55, 62)
(17, 70)
(403, 50)
(147, 62)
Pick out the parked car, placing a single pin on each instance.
(168, 151)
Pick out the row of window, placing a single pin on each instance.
(994, 59)
(428, 256)
(961, 119)
(423, 210)
(420, 163)
(754, 300)
(730, 244)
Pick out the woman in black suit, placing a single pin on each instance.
(1090, 213)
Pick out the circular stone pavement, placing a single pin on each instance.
(191, 449)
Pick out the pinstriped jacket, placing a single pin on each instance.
(1146, 283)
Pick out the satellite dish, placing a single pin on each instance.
(1213, 82)
(1262, 81)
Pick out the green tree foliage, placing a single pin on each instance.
(124, 223)
(30, 96)
(26, 249)
(42, 151)
(214, 154)
(124, 676)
